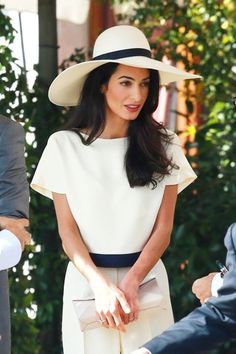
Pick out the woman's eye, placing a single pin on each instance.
(125, 83)
(146, 83)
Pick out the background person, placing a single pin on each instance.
(14, 203)
(113, 175)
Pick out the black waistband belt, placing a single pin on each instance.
(124, 53)
(114, 260)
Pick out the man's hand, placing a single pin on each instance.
(17, 227)
(202, 287)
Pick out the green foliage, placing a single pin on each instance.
(201, 34)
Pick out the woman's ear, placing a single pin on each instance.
(103, 89)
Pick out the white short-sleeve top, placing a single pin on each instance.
(113, 218)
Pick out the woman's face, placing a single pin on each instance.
(126, 92)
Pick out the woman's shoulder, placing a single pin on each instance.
(170, 138)
(62, 136)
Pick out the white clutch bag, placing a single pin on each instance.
(149, 297)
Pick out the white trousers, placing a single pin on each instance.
(110, 341)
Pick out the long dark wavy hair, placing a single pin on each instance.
(146, 160)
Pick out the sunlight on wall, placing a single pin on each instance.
(25, 47)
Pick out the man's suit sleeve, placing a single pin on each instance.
(14, 189)
(211, 324)
(196, 333)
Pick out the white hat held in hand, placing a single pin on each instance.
(121, 44)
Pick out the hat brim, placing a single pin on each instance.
(66, 88)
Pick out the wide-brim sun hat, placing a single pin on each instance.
(120, 44)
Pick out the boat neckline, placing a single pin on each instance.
(106, 139)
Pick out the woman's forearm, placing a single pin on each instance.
(151, 253)
(158, 240)
(72, 241)
(77, 252)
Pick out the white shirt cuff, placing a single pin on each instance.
(148, 351)
(216, 284)
(10, 250)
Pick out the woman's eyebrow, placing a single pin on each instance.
(126, 77)
(131, 78)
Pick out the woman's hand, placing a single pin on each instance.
(110, 304)
(130, 288)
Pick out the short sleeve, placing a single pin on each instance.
(184, 175)
(50, 175)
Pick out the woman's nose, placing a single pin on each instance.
(137, 94)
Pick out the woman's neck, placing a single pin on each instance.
(115, 129)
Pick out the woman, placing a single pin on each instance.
(113, 175)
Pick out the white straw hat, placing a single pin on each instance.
(121, 44)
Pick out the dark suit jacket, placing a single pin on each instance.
(14, 190)
(211, 324)
(14, 202)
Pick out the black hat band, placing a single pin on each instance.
(124, 53)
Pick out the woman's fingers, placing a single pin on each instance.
(119, 321)
(129, 302)
(104, 322)
(112, 320)
(113, 308)
(131, 317)
(124, 303)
